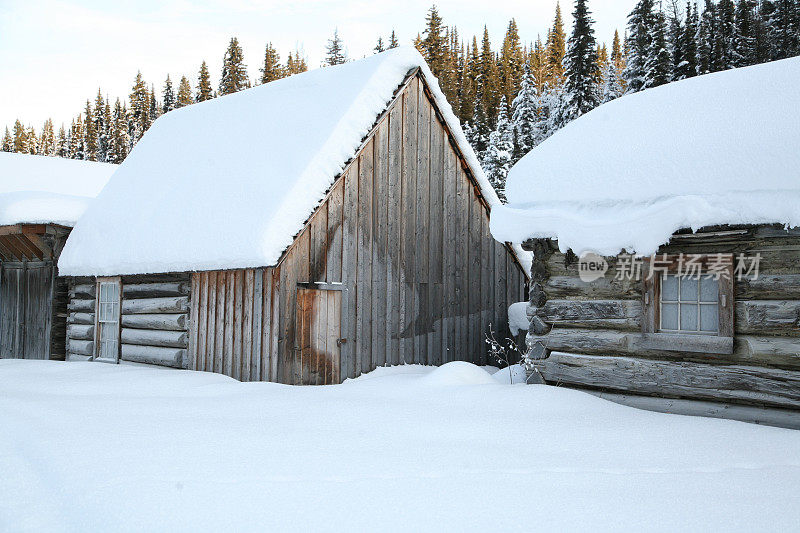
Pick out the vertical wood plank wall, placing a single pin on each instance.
(405, 237)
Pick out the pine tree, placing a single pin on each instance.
(296, 64)
(497, 159)
(726, 34)
(688, 69)
(335, 53)
(32, 141)
(153, 106)
(489, 79)
(8, 142)
(272, 69)
(675, 44)
(167, 97)
(612, 88)
(434, 46)
(184, 93)
(77, 138)
(640, 25)
(512, 61)
(581, 69)
(658, 65)
(47, 141)
(744, 33)
(479, 134)
(62, 143)
(379, 46)
(89, 134)
(102, 119)
(234, 72)
(556, 50)
(120, 141)
(618, 59)
(525, 116)
(705, 40)
(20, 138)
(393, 40)
(140, 109)
(204, 91)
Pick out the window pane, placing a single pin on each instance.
(688, 317)
(709, 319)
(709, 290)
(669, 288)
(669, 316)
(689, 290)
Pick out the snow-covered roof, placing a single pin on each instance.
(228, 183)
(723, 148)
(40, 190)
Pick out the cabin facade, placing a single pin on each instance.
(669, 273)
(732, 339)
(40, 200)
(394, 264)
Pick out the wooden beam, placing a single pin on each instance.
(679, 379)
(12, 246)
(30, 249)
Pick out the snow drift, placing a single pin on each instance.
(96, 447)
(40, 190)
(716, 149)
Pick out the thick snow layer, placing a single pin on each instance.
(715, 149)
(229, 182)
(37, 189)
(518, 317)
(96, 447)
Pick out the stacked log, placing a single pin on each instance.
(80, 320)
(154, 320)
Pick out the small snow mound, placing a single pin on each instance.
(518, 317)
(458, 373)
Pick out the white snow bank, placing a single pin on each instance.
(96, 447)
(458, 373)
(715, 149)
(518, 317)
(39, 190)
(228, 183)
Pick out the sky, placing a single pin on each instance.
(56, 54)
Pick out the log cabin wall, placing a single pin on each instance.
(596, 336)
(403, 236)
(154, 319)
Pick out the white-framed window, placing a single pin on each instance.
(108, 311)
(689, 304)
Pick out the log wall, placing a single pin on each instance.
(403, 234)
(154, 319)
(593, 331)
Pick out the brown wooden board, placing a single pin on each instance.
(364, 295)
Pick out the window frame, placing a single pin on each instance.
(97, 324)
(720, 342)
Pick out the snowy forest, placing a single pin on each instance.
(508, 100)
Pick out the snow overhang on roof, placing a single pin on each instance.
(229, 182)
(42, 190)
(715, 149)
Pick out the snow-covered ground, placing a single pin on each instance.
(95, 447)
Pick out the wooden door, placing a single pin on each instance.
(25, 310)
(318, 339)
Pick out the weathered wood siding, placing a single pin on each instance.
(154, 319)
(31, 310)
(597, 339)
(403, 234)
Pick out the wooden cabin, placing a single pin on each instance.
(341, 224)
(626, 298)
(40, 200)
